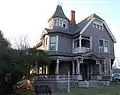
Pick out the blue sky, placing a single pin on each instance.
(28, 17)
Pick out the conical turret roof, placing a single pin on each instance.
(59, 13)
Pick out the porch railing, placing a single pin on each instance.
(62, 83)
(81, 50)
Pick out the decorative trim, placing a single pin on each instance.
(91, 43)
(57, 43)
(86, 26)
(105, 26)
(109, 32)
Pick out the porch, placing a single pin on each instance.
(84, 68)
(88, 68)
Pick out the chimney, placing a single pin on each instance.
(72, 14)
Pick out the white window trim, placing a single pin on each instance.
(87, 25)
(62, 21)
(56, 43)
(90, 39)
(104, 45)
(74, 43)
(108, 45)
(80, 40)
(99, 24)
(99, 45)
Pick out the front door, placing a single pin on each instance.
(84, 71)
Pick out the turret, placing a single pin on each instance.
(58, 19)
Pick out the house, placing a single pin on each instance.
(86, 48)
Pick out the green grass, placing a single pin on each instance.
(24, 92)
(111, 90)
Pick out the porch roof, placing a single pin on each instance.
(91, 54)
(87, 54)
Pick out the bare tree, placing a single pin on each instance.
(22, 43)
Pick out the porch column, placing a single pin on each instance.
(105, 69)
(57, 67)
(110, 66)
(78, 67)
(73, 67)
(100, 68)
(79, 76)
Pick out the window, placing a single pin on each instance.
(56, 22)
(76, 43)
(53, 43)
(101, 27)
(85, 41)
(60, 22)
(98, 26)
(103, 45)
(106, 49)
(65, 24)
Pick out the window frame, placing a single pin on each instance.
(108, 48)
(76, 41)
(98, 25)
(53, 43)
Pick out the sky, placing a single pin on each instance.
(27, 18)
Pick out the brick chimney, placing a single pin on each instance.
(72, 15)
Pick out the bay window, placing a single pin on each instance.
(76, 43)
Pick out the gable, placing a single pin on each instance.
(106, 26)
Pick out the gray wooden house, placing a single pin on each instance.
(85, 48)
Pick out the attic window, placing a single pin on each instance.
(98, 25)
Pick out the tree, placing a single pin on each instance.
(39, 58)
(16, 63)
(5, 63)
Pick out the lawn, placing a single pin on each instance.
(111, 90)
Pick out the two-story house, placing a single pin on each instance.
(85, 48)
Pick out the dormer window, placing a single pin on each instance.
(98, 25)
